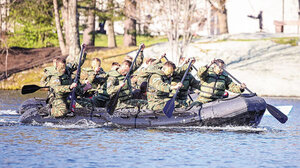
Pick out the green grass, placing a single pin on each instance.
(33, 76)
(286, 40)
(101, 40)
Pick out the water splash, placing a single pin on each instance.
(81, 124)
(8, 112)
(5, 122)
(243, 129)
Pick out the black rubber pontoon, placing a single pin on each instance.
(243, 110)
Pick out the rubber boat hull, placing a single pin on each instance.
(242, 110)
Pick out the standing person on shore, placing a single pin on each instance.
(214, 82)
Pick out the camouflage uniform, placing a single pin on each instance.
(48, 73)
(159, 88)
(125, 97)
(213, 86)
(61, 89)
(98, 92)
(189, 82)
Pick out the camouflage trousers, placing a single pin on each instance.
(132, 103)
(59, 107)
(157, 104)
(204, 99)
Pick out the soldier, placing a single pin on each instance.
(62, 85)
(97, 78)
(94, 75)
(189, 82)
(115, 82)
(159, 87)
(214, 82)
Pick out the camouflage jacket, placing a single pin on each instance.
(159, 88)
(213, 86)
(189, 82)
(48, 73)
(96, 79)
(60, 85)
(114, 79)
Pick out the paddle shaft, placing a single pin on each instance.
(169, 107)
(237, 80)
(77, 77)
(111, 109)
(181, 82)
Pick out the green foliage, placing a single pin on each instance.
(33, 24)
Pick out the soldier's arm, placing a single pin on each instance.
(179, 71)
(194, 83)
(72, 66)
(138, 62)
(111, 87)
(202, 72)
(157, 83)
(233, 87)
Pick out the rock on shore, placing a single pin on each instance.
(267, 68)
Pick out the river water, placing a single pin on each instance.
(272, 144)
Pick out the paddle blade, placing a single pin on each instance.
(169, 108)
(110, 108)
(277, 113)
(29, 89)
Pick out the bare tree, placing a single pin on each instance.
(181, 14)
(219, 7)
(130, 23)
(110, 25)
(89, 31)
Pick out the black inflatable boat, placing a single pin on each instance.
(242, 110)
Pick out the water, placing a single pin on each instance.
(89, 145)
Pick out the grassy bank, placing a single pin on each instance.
(33, 76)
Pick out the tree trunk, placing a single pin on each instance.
(222, 21)
(74, 47)
(130, 23)
(89, 31)
(65, 16)
(110, 25)
(111, 34)
(62, 44)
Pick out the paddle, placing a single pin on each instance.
(72, 107)
(26, 89)
(170, 105)
(192, 66)
(273, 110)
(110, 108)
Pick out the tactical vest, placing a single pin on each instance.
(63, 80)
(154, 93)
(213, 86)
(183, 91)
(126, 91)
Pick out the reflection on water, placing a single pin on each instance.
(89, 145)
